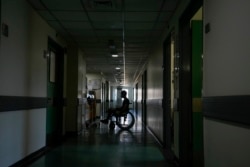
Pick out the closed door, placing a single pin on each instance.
(54, 94)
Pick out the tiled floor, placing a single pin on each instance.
(101, 147)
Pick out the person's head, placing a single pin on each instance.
(123, 94)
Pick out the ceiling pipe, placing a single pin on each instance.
(123, 41)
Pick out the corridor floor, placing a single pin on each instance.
(101, 147)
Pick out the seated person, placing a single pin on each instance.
(123, 109)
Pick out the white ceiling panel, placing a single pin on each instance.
(94, 23)
(46, 15)
(142, 5)
(141, 16)
(108, 25)
(70, 15)
(81, 33)
(75, 25)
(139, 25)
(62, 4)
(105, 16)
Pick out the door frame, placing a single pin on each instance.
(185, 86)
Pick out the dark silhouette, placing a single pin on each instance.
(116, 111)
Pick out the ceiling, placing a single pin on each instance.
(101, 27)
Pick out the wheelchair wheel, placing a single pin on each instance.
(125, 122)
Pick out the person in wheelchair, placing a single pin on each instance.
(118, 111)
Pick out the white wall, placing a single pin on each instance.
(82, 91)
(155, 93)
(154, 74)
(226, 72)
(226, 145)
(23, 73)
(81, 75)
(91, 77)
(226, 47)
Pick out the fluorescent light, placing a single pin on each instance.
(114, 55)
(117, 68)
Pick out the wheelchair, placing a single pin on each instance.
(124, 121)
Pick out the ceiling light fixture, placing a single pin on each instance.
(117, 68)
(114, 55)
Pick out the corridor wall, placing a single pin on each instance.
(226, 79)
(155, 78)
(75, 90)
(155, 95)
(94, 83)
(23, 73)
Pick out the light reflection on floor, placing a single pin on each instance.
(101, 147)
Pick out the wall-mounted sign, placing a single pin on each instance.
(94, 84)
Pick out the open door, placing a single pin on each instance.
(54, 116)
